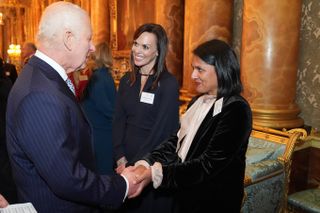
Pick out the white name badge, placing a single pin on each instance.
(147, 97)
(217, 106)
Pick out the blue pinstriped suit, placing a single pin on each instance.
(50, 146)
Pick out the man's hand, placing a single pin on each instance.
(128, 172)
(143, 178)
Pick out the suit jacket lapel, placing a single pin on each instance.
(202, 132)
(52, 75)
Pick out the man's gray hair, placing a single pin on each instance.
(56, 18)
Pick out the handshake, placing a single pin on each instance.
(138, 177)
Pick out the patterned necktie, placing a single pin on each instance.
(71, 86)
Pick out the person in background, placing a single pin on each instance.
(204, 163)
(98, 103)
(49, 139)
(10, 71)
(146, 110)
(7, 185)
(81, 78)
(3, 202)
(27, 51)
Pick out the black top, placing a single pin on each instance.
(139, 127)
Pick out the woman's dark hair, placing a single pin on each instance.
(223, 58)
(162, 46)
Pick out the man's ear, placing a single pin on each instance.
(68, 39)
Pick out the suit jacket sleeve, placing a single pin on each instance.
(50, 142)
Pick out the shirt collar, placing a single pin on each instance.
(53, 64)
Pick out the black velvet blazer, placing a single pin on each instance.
(212, 175)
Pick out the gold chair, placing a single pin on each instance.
(268, 168)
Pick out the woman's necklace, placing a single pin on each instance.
(144, 78)
(146, 74)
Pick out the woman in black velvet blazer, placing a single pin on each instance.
(204, 164)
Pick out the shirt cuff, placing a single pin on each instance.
(127, 188)
(122, 160)
(143, 163)
(156, 174)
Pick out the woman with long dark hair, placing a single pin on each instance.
(204, 163)
(146, 111)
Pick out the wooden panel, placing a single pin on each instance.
(305, 170)
(299, 170)
(314, 167)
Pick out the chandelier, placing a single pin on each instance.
(14, 50)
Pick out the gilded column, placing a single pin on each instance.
(204, 20)
(28, 24)
(19, 27)
(169, 13)
(100, 20)
(269, 61)
(34, 17)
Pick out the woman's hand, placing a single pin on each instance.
(120, 168)
(121, 165)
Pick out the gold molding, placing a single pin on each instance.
(113, 24)
(277, 118)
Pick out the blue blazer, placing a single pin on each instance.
(50, 146)
(98, 105)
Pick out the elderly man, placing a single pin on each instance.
(49, 139)
(27, 51)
